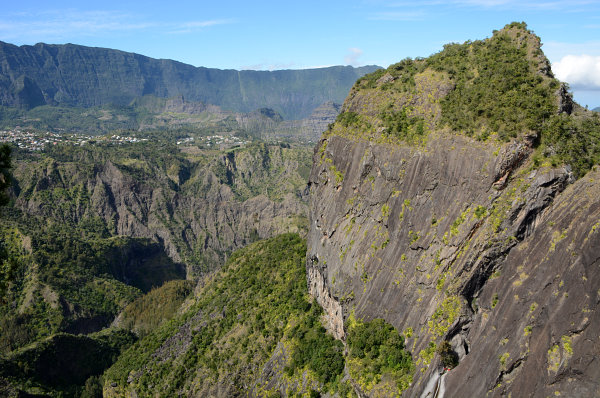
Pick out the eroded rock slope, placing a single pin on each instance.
(199, 206)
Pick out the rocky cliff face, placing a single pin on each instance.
(473, 242)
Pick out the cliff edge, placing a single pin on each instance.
(456, 198)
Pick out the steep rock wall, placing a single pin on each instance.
(462, 241)
(73, 75)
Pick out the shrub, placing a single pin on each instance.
(448, 356)
(377, 348)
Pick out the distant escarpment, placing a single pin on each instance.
(72, 75)
(456, 198)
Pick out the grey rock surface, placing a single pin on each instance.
(426, 238)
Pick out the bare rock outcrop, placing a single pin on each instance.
(427, 239)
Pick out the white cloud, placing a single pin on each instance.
(352, 58)
(580, 71)
(62, 24)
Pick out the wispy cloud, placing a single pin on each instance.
(352, 57)
(190, 27)
(67, 24)
(580, 71)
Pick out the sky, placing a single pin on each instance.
(268, 35)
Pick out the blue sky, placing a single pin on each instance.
(303, 34)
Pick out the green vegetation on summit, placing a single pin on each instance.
(501, 87)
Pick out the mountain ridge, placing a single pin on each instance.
(69, 74)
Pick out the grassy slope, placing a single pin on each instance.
(253, 327)
(255, 302)
(159, 305)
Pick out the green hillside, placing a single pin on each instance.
(254, 329)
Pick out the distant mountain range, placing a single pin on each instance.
(597, 109)
(79, 76)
